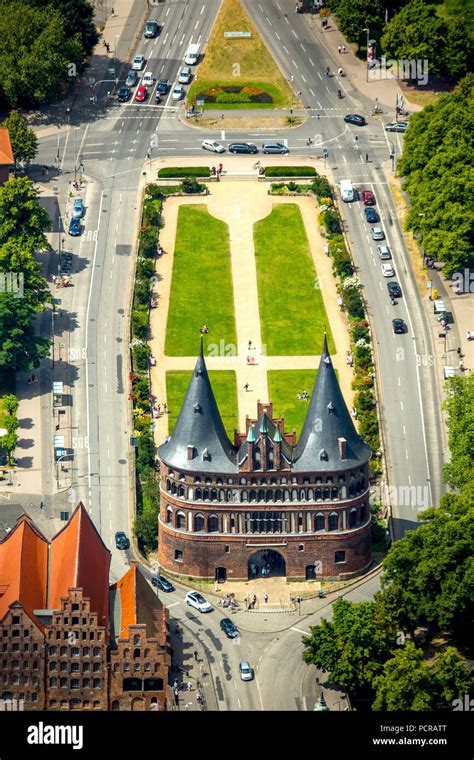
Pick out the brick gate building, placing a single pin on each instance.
(266, 504)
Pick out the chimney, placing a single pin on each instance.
(190, 452)
(342, 447)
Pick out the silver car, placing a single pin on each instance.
(138, 62)
(377, 233)
(132, 78)
(246, 672)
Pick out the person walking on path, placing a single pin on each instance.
(265, 596)
(246, 387)
(195, 655)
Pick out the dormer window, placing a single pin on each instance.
(197, 408)
(323, 454)
(206, 455)
(331, 407)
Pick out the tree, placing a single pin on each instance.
(8, 442)
(146, 452)
(451, 676)
(16, 256)
(77, 17)
(356, 15)
(353, 646)
(10, 403)
(23, 140)
(36, 55)
(405, 683)
(459, 405)
(20, 347)
(21, 215)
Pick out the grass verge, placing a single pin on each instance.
(292, 310)
(225, 392)
(201, 269)
(283, 387)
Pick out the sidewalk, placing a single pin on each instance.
(190, 666)
(384, 90)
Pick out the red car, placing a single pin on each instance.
(141, 94)
(368, 198)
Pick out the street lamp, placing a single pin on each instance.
(392, 155)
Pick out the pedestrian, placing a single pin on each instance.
(189, 686)
(468, 335)
(461, 365)
(165, 408)
(29, 380)
(246, 387)
(366, 158)
(339, 48)
(265, 596)
(33, 378)
(107, 47)
(220, 168)
(196, 655)
(176, 697)
(458, 351)
(250, 345)
(339, 303)
(343, 48)
(41, 505)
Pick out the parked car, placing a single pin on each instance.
(355, 118)
(399, 326)
(397, 126)
(184, 75)
(132, 78)
(74, 227)
(162, 86)
(229, 628)
(394, 290)
(124, 94)
(138, 62)
(275, 147)
(141, 94)
(178, 92)
(371, 215)
(377, 233)
(242, 148)
(387, 270)
(368, 198)
(148, 79)
(162, 583)
(213, 146)
(196, 600)
(246, 672)
(77, 208)
(151, 28)
(384, 252)
(121, 540)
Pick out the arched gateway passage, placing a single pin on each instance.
(266, 563)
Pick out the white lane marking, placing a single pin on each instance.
(268, 20)
(286, 50)
(299, 630)
(294, 34)
(303, 47)
(311, 62)
(401, 405)
(312, 93)
(320, 106)
(277, 36)
(172, 605)
(319, 75)
(302, 77)
(202, 10)
(294, 63)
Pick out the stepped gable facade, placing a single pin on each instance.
(267, 504)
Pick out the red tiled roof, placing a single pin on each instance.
(6, 153)
(126, 587)
(80, 559)
(23, 567)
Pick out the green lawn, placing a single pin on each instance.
(201, 288)
(283, 387)
(292, 311)
(225, 392)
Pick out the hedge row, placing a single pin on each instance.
(290, 171)
(184, 171)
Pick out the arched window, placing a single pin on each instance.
(168, 485)
(319, 522)
(261, 495)
(208, 481)
(269, 495)
(198, 523)
(278, 494)
(333, 521)
(294, 494)
(363, 513)
(180, 521)
(300, 521)
(318, 494)
(180, 491)
(253, 495)
(221, 494)
(174, 488)
(243, 481)
(169, 515)
(343, 492)
(351, 490)
(230, 496)
(284, 481)
(136, 643)
(310, 494)
(334, 493)
(213, 494)
(352, 518)
(286, 495)
(303, 495)
(244, 496)
(270, 459)
(213, 524)
(326, 493)
(256, 458)
(191, 494)
(219, 481)
(198, 494)
(205, 494)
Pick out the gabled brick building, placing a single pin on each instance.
(266, 504)
(61, 624)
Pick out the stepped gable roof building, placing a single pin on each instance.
(224, 505)
(328, 440)
(199, 440)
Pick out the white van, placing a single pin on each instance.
(347, 191)
(192, 55)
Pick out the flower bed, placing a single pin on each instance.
(234, 94)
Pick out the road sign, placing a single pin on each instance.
(237, 34)
(199, 102)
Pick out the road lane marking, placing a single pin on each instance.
(299, 630)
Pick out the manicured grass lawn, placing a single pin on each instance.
(240, 61)
(201, 289)
(292, 311)
(283, 387)
(225, 392)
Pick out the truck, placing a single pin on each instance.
(192, 54)
(347, 191)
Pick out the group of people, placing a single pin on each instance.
(303, 396)
(341, 49)
(61, 281)
(349, 358)
(157, 410)
(470, 335)
(216, 171)
(204, 330)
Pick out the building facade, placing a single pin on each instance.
(266, 504)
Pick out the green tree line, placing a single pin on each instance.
(375, 648)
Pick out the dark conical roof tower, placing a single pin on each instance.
(199, 441)
(328, 440)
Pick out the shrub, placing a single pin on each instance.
(360, 331)
(142, 293)
(292, 186)
(321, 187)
(147, 243)
(233, 97)
(184, 171)
(141, 353)
(145, 268)
(331, 221)
(290, 171)
(190, 185)
(364, 401)
(145, 453)
(140, 322)
(353, 303)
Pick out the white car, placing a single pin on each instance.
(138, 62)
(196, 600)
(148, 79)
(178, 92)
(387, 270)
(246, 672)
(184, 75)
(214, 146)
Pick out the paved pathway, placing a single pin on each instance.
(240, 205)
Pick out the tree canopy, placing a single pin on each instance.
(21, 214)
(437, 166)
(459, 405)
(20, 347)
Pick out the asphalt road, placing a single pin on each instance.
(112, 143)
